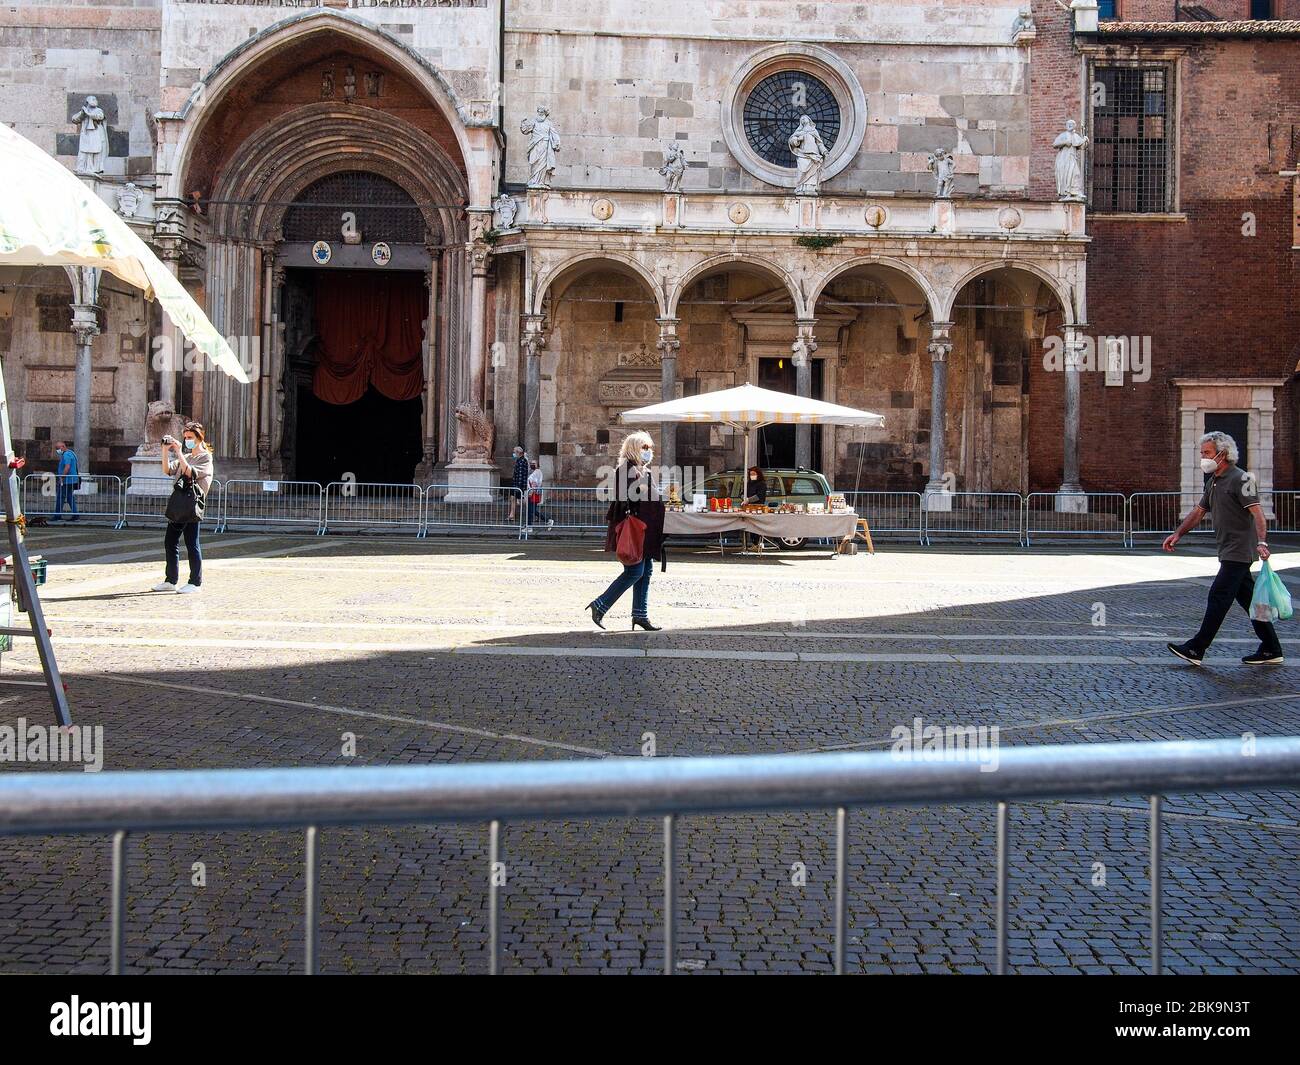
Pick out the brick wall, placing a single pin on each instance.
(1215, 302)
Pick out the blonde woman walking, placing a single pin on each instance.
(636, 495)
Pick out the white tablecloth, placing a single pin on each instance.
(777, 526)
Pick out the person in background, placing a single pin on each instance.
(189, 458)
(755, 486)
(67, 481)
(534, 498)
(635, 492)
(1231, 498)
(519, 480)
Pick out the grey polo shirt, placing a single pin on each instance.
(1227, 497)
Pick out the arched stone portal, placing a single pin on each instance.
(312, 100)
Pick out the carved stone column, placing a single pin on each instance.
(85, 327)
(479, 253)
(939, 488)
(532, 339)
(275, 368)
(432, 327)
(1070, 486)
(471, 472)
(173, 349)
(668, 344)
(805, 343)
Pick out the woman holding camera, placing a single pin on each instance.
(636, 495)
(190, 462)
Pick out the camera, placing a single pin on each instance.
(169, 439)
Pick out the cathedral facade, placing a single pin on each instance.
(435, 229)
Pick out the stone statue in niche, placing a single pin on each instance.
(374, 83)
(327, 84)
(543, 143)
(1069, 163)
(475, 434)
(809, 153)
(349, 84)
(507, 211)
(944, 168)
(92, 146)
(128, 199)
(674, 167)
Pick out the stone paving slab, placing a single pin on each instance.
(437, 652)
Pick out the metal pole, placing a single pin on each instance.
(1156, 847)
(670, 895)
(494, 899)
(1002, 889)
(313, 908)
(117, 917)
(841, 886)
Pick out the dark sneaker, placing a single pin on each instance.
(1186, 652)
(1264, 658)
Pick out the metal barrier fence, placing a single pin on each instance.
(970, 514)
(98, 499)
(149, 507)
(261, 504)
(341, 506)
(1104, 516)
(667, 788)
(1157, 514)
(580, 510)
(890, 513)
(365, 506)
(458, 511)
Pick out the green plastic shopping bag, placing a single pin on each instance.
(1271, 599)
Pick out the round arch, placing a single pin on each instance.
(898, 266)
(1057, 286)
(322, 139)
(202, 105)
(556, 279)
(718, 263)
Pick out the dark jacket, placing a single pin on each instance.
(756, 490)
(521, 473)
(638, 496)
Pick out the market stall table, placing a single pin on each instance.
(835, 525)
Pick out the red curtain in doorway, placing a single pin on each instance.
(368, 325)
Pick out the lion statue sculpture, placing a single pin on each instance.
(161, 420)
(475, 434)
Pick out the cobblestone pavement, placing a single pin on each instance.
(443, 652)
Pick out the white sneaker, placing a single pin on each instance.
(528, 530)
(163, 586)
(185, 589)
(550, 524)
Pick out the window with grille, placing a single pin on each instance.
(775, 105)
(382, 208)
(1132, 138)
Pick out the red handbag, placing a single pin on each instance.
(629, 540)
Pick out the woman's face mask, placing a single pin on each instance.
(189, 443)
(646, 454)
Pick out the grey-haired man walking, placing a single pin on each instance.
(1231, 498)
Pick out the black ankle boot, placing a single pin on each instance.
(644, 623)
(596, 614)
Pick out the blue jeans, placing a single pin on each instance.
(65, 492)
(534, 512)
(193, 552)
(636, 577)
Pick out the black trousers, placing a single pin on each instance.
(193, 551)
(1233, 581)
